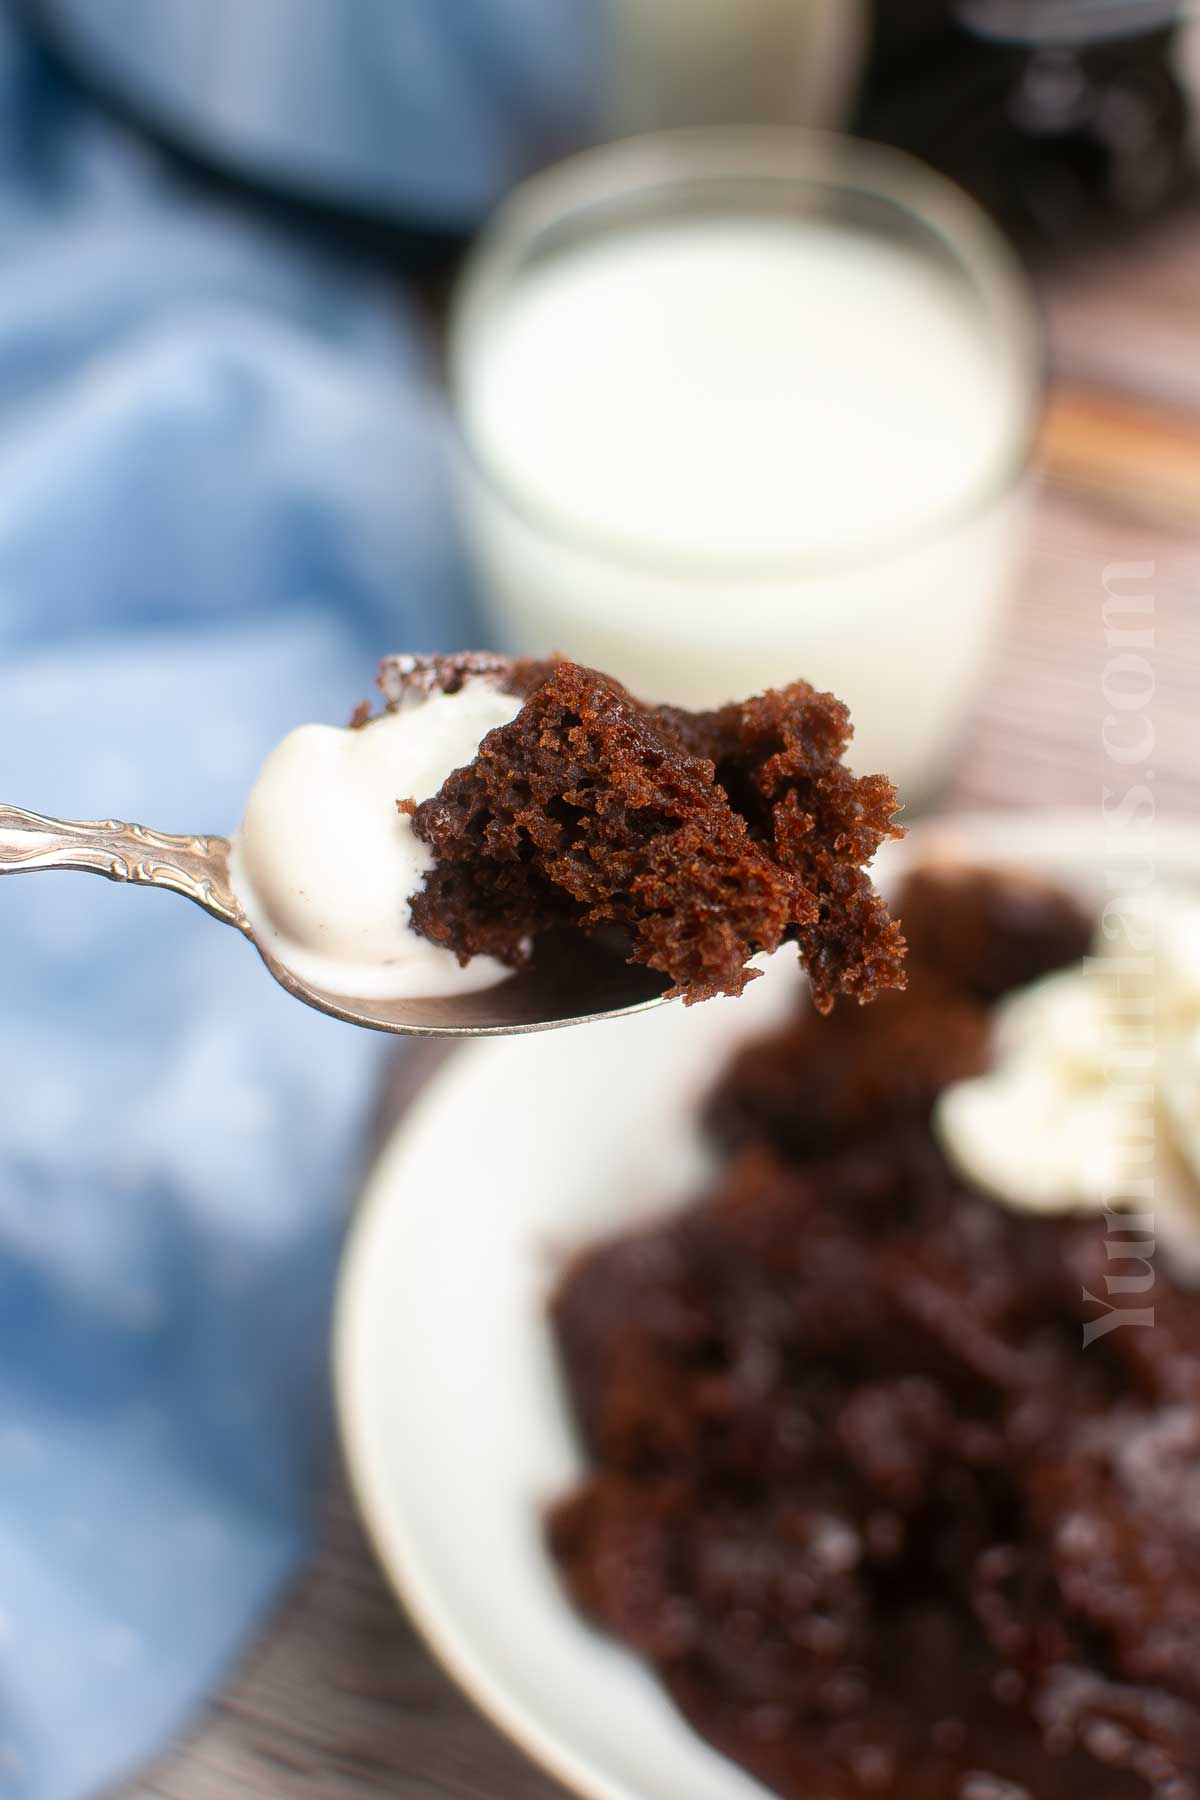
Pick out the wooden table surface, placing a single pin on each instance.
(339, 1700)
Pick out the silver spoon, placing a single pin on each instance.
(572, 980)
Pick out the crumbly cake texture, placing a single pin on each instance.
(883, 1524)
(705, 837)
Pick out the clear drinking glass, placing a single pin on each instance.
(897, 625)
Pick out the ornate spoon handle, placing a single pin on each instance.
(196, 867)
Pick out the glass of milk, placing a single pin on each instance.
(738, 406)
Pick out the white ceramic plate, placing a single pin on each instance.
(454, 1425)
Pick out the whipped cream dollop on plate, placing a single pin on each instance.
(324, 864)
(1093, 1096)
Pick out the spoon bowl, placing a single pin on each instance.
(571, 979)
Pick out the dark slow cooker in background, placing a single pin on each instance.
(1067, 119)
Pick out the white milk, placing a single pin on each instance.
(718, 454)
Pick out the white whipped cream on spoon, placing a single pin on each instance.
(324, 864)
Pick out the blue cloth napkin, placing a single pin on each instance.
(223, 493)
(430, 109)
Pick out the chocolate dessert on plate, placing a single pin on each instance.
(877, 1485)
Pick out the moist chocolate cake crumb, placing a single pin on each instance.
(881, 1522)
(406, 679)
(705, 837)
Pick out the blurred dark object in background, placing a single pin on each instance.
(1067, 119)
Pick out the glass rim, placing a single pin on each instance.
(658, 162)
